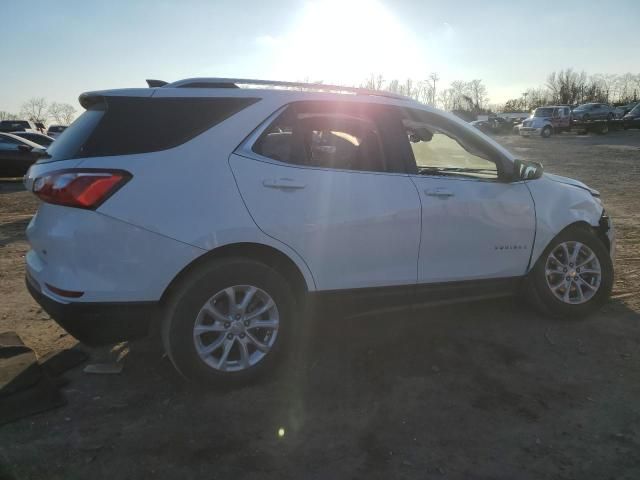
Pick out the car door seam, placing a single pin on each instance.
(235, 180)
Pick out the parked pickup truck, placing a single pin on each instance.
(547, 120)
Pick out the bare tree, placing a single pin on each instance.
(35, 109)
(434, 77)
(61, 113)
(374, 82)
(478, 94)
(445, 99)
(424, 92)
(566, 86)
(7, 116)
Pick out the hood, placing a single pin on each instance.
(572, 182)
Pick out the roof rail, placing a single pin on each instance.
(234, 82)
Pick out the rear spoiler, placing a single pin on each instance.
(156, 83)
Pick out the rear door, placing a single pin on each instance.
(325, 179)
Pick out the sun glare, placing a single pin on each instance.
(344, 42)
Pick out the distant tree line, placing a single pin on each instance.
(38, 109)
(464, 96)
(568, 87)
(564, 87)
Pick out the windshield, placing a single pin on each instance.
(543, 112)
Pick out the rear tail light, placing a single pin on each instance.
(79, 188)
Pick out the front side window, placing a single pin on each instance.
(326, 135)
(442, 148)
(444, 155)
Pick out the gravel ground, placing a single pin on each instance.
(478, 391)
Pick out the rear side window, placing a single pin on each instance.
(327, 135)
(129, 125)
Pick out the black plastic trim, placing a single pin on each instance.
(98, 323)
(361, 300)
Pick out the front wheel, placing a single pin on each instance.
(228, 322)
(546, 132)
(574, 275)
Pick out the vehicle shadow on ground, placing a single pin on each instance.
(480, 390)
(406, 390)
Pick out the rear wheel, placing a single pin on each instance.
(574, 275)
(228, 322)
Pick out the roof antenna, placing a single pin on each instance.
(156, 83)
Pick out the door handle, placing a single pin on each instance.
(283, 183)
(439, 192)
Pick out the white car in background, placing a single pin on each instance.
(218, 212)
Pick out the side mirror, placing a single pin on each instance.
(527, 170)
(24, 148)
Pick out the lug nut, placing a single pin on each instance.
(577, 270)
(227, 324)
(571, 264)
(238, 317)
(246, 323)
(568, 278)
(564, 270)
(229, 336)
(242, 335)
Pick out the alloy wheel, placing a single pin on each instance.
(573, 273)
(236, 328)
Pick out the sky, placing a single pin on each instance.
(59, 49)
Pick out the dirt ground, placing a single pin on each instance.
(478, 391)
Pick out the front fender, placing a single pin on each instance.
(559, 205)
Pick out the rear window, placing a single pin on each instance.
(129, 125)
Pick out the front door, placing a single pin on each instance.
(475, 225)
(322, 178)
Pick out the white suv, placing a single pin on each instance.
(216, 212)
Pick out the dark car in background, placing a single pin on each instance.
(628, 107)
(18, 126)
(54, 130)
(632, 119)
(17, 155)
(39, 138)
(494, 125)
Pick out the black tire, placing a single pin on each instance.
(546, 132)
(539, 293)
(188, 298)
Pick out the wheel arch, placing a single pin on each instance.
(300, 280)
(598, 230)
